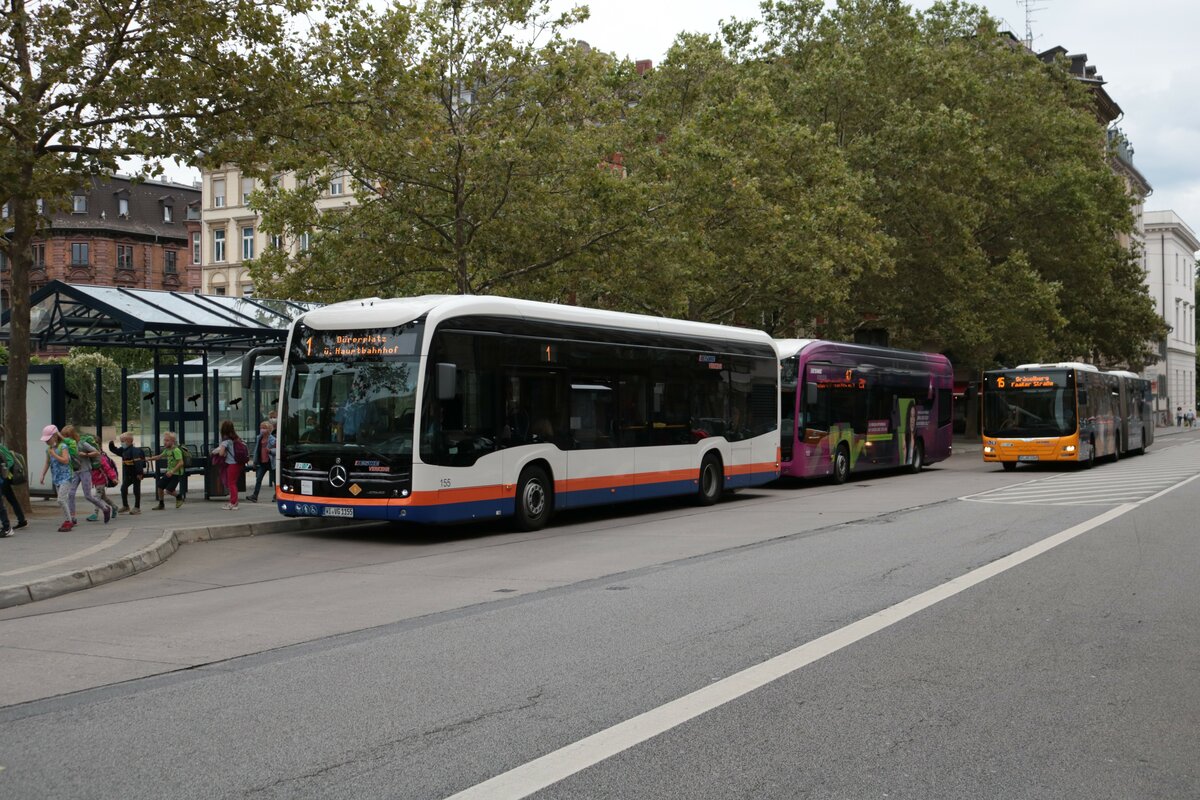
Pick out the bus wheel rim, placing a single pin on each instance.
(534, 499)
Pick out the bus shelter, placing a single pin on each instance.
(194, 339)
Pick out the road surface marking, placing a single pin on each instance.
(113, 539)
(551, 768)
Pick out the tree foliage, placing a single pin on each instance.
(988, 173)
(85, 83)
(477, 139)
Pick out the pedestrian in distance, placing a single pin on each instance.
(1178, 416)
(7, 462)
(133, 469)
(233, 455)
(82, 453)
(174, 481)
(264, 457)
(58, 462)
(1190, 418)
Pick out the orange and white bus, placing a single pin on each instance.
(1067, 411)
(454, 408)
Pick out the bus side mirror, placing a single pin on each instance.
(446, 377)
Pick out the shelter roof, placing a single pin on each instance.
(113, 316)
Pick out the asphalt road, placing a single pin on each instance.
(620, 654)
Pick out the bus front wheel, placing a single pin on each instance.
(841, 464)
(535, 500)
(712, 482)
(1009, 466)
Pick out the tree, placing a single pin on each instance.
(85, 83)
(478, 140)
(986, 169)
(758, 219)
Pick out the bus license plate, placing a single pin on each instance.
(1027, 458)
(338, 511)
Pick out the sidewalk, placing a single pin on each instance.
(37, 562)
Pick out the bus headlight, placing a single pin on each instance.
(988, 449)
(1069, 448)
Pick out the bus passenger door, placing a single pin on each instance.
(535, 427)
(599, 469)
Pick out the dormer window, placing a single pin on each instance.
(168, 213)
(79, 204)
(123, 207)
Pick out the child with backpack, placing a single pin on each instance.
(8, 465)
(174, 480)
(233, 454)
(133, 469)
(82, 453)
(58, 460)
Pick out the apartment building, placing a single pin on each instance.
(114, 231)
(230, 237)
(1169, 259)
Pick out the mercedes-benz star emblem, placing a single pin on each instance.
(338, 476)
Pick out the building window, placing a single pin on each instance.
(4, 211)
(168, 213)
(218, 193)
(196, 247)
(247, 243)
(219, 291)
(247, 188)
(169, 265)
(305, 241)
(123, 206)
(218, 245)
(276, 241)
(41, 206)
(336, 185)
(79, 254)
(79, 204)
(39, 256)
(125, 256)
(248, 290)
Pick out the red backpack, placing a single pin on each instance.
(241, 453)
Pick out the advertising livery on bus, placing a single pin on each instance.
(1067, 411)
(849, 408)
(454, 408)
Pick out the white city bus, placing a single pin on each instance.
(454, 408)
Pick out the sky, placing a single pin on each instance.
(1144, 50)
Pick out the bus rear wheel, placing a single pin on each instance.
(841, 464)
(712, 481)
(535, 500)
(918, 458)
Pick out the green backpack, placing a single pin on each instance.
(14, 465)
(90, 439)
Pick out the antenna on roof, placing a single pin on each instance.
(1029, 20)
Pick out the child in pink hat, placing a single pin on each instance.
(58, 459)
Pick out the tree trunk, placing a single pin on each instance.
(21, 257)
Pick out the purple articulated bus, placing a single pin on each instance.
(850, 408)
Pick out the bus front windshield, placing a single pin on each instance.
(1022, 406)
(352, 390)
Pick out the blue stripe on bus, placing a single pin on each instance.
(490, 509)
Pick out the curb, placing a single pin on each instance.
(147, 558)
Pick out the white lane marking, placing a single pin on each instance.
(113, 539)
(551, 768)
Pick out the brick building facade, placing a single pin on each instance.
(114, 232)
